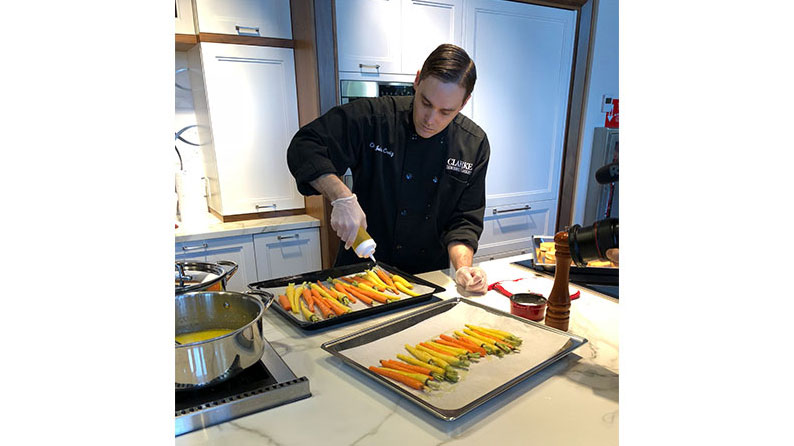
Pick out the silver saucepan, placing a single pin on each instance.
(206, 362)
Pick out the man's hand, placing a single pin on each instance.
(472, 279)
(346, 217)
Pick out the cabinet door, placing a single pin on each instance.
(524, 60)
(287, 253)
(426, 25)
(239, 250)
(262, 18)
(183, 16)
(511, 227)
(368, 35)
(252, 111)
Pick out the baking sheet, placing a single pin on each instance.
(361, 310)
(484, 380)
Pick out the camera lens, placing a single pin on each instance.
(592, 243)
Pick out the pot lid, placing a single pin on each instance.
(195, 276)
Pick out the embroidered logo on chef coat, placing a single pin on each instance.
(459, 166)
(383, 150)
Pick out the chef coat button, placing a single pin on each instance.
(403, 212)
(435, 179)
(422, 251)
(408, 176)
(427, 217)
(413, 137)
(428, 205)
(398, 247)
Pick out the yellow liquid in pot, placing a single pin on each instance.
(203, 335)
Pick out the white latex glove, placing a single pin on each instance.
(472, 278)
(346, 217)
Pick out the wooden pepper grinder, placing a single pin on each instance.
(558, 312)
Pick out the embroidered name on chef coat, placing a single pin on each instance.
(383, 150)
(459, 166)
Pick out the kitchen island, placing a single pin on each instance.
(574, 401)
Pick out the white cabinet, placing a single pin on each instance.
(183, 17)
(261, 18)
(246, 106)
(287, 253)
(425, 26)
(524, 57)
(368, 35)
(239, 250)
(394, 36)
(511, 227)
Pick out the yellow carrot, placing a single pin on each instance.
(311, 317)
(405, 290)
(397, 278)
(374, 291)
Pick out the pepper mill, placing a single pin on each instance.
(558, 312)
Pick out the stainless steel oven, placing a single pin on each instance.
(350, 90)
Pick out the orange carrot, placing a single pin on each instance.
(337, 308)
(348, 280)
(385, 278)
(315, 295)
(372, 295)
(486, 335)
(403, 366)
(413, 383)
(360, 296)
(284, 302)
(330, 292)
(478, 348)
(341, 289)
(444, 341)
(307, 296)
(324, 309)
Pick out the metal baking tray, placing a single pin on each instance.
(360, 310)
(475, 386)
(551, 267)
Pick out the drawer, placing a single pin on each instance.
(511, 227)
(239, 249)
(287, 253)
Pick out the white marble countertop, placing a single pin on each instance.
(212, 227)
(573, 402)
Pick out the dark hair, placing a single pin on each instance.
(450, 63)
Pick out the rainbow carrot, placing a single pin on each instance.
(413, 383)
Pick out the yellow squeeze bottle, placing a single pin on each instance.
(364, 245)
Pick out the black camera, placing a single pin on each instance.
(592, 242)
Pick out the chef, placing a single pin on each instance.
(418, 170)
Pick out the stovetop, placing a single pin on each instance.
(266, 384)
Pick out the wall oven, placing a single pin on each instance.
(350, 90)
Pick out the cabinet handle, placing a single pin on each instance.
(265, 206)
(525, 208)
(285, 237)
(375, 66)
(239, 29)
(194, 248)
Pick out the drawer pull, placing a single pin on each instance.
(497, 211)
(240, 31)
(285, 237)
(265, 206)
(194, 248)
(375, 66)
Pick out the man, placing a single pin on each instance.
(418, 171)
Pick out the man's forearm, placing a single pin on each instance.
(460, 254)
(331, 187)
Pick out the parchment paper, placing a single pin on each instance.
(488, 374)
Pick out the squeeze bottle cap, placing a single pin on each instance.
(366, 248)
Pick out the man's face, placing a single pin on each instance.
(436, 103)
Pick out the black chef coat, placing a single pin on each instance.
(418, 194)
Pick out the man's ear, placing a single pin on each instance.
(465, 101)
(416, 80)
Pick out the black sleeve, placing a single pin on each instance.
(329, 144)
(466, 223)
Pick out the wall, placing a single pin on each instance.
(603, 80)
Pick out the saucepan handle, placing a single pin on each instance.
(233, 266)
(266, 297)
